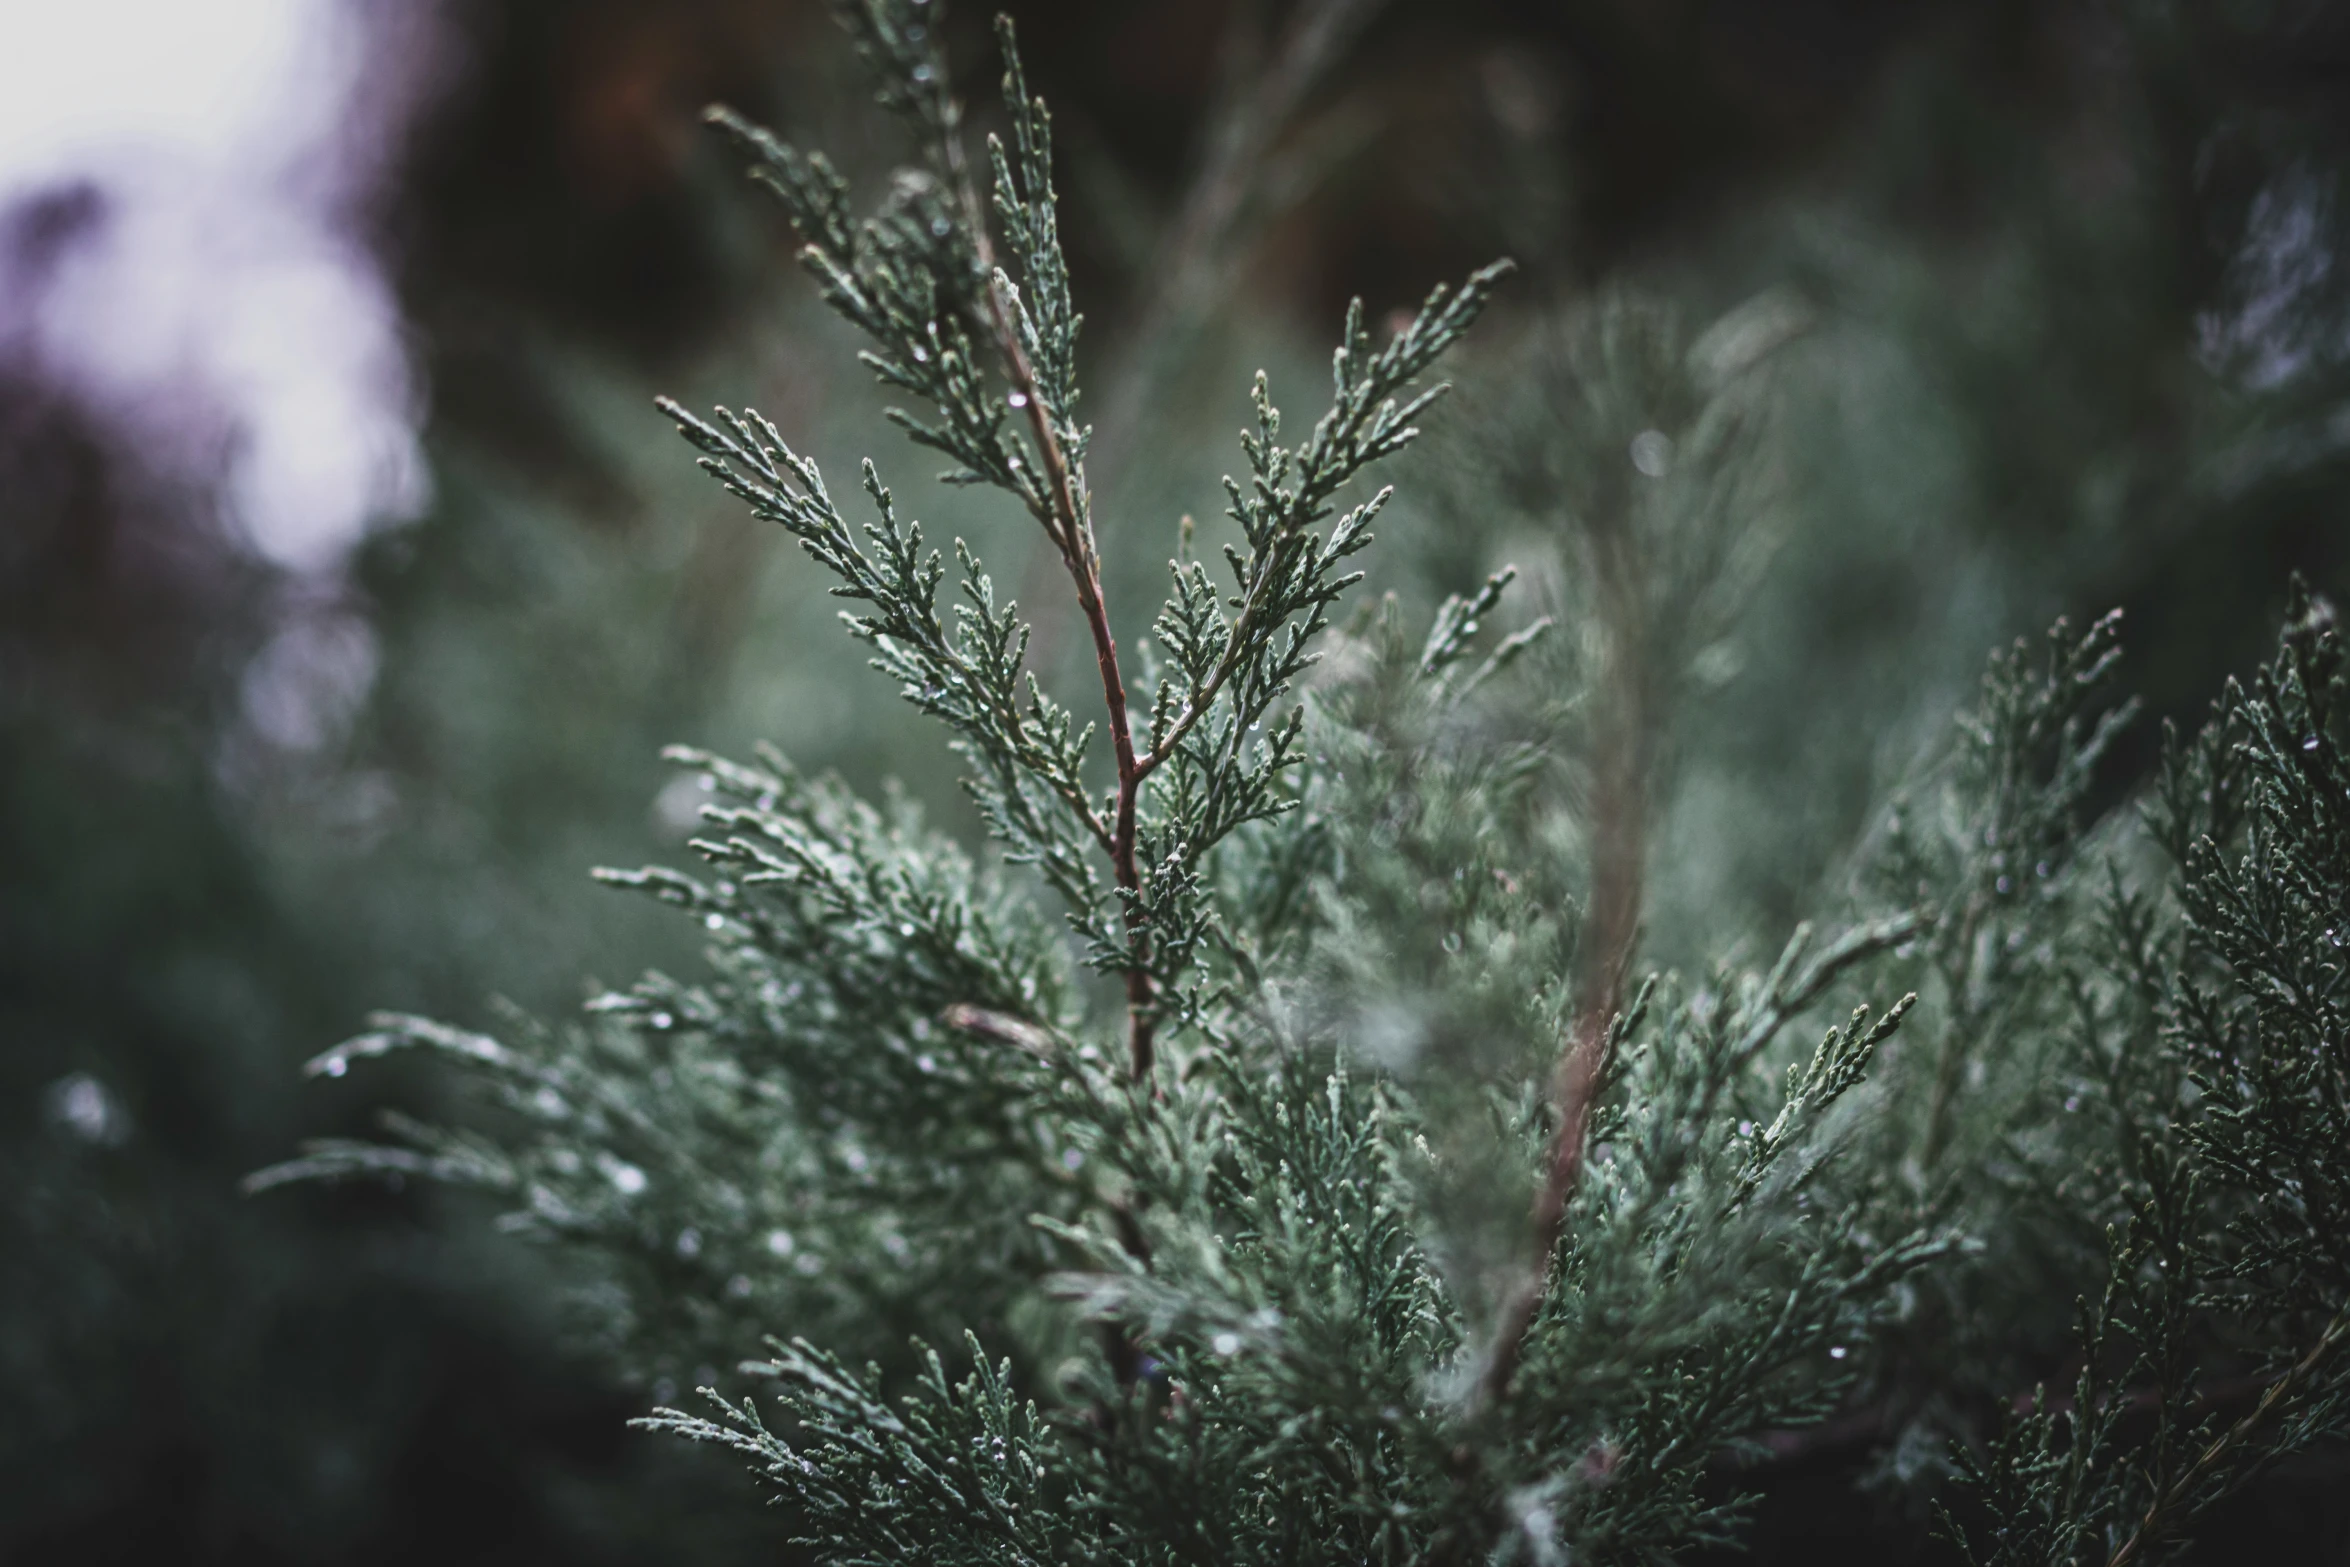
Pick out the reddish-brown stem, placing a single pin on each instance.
(1613, 923)
(1617, 811)
(1074, 538)
(1068, 522)
(1184, 277)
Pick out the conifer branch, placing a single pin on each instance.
(893, 1108)
(2207, 1465)
(1617, 814)
(1067, 516)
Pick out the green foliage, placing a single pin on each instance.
(2209, 1026)
(920, 281)
(661, 1133)
(1315, 1187)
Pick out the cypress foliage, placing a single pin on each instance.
(2205, 1030)
(1267, 1140)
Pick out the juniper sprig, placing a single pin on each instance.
(1266, 1138)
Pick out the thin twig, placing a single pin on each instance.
(1201, 236)
(1197, 705)
(1618, 810)
(1215, 202)
(2182, 1490)
(1068, 522)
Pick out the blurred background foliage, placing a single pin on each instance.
(2053, 317)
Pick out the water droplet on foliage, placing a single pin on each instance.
(714, 921)
(1652, 453)
(689, 1243)
(1072, 1159)
(1226, 1343)
(2005, 885)
(2309, 744)
(738, 1287)
(1838, 1352)
(661, 1020)
(336, 1066)
(940, 228)
(923, 73)
(2072, 1102)
(81, 1104)
(779, 1243)
(925, 1064)
(1018, 399)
